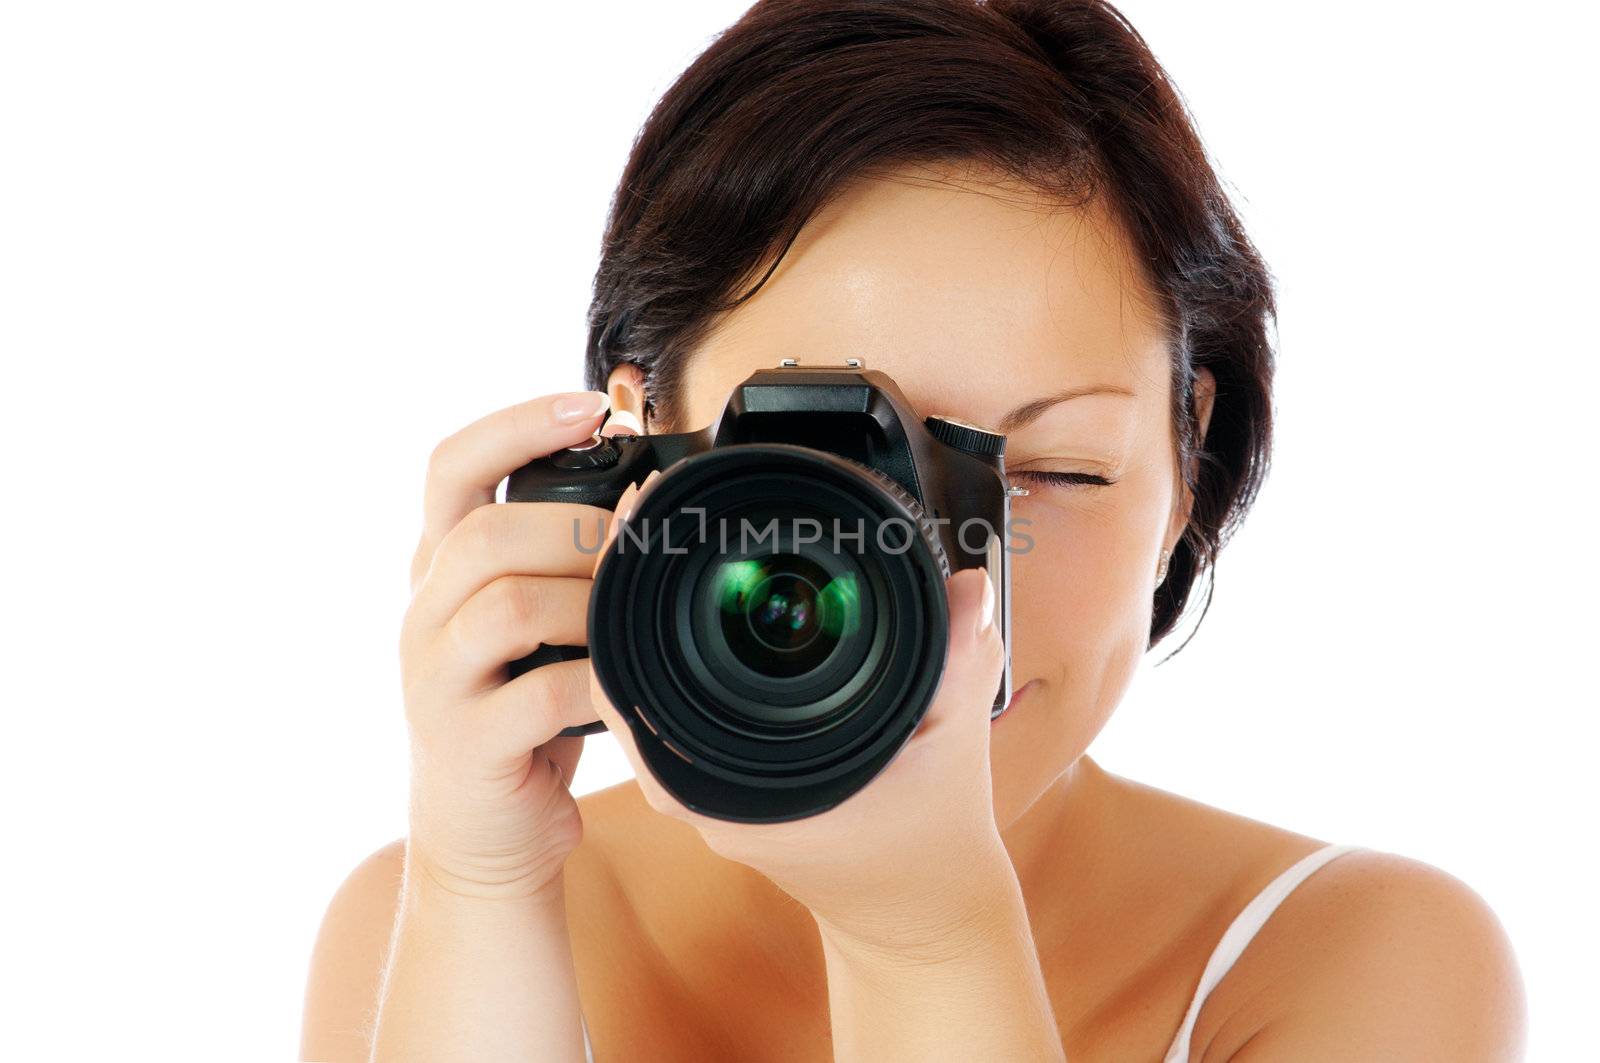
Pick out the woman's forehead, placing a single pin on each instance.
(974, 297)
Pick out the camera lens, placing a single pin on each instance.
(771, 622)
(783, 616)
(776, 635)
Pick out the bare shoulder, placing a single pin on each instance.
(349, 957)
(1373, 955)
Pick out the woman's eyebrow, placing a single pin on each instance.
(1029, 412)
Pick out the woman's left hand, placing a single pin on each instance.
(910, 861)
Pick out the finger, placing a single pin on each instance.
(563, 752)
(524, 714)
(975, 658)
(622, 422)
(511, 538)
(510, 618)
(618, 515)
(625, 506)
(465, 468)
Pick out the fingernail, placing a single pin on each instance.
(625, 503)
(579, 406)
(622, 422)
(640, 487)
(985, 605)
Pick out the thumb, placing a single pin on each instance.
(563, 752)
(976, 656)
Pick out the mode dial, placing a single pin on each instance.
(979, 442)
(597, 452)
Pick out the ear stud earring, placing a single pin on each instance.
(1161, 567)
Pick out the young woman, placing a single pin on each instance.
(1005, 208)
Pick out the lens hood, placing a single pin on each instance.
(771, 622)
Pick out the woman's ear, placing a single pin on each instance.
(625, 388)
(1205, 394)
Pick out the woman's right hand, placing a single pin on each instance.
(490, 813)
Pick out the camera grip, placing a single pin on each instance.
(595, 473)
(591, 475)
(555, 655)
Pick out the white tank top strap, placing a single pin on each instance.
(1239, 934)
(588, 1049)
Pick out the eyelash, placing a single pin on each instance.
(1064, 479)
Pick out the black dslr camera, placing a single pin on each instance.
(771, 618)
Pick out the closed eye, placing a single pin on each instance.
(1061, 479)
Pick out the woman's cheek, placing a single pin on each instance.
(1065, 635)
(1077, 598)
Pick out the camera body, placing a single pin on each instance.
(771, 618)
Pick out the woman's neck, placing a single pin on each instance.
(1055, 845)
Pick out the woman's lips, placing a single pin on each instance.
(1016, 696)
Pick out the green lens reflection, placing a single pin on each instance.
(784, 615)
(739, 581)
(840, 602)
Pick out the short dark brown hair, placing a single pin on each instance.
(799, 97)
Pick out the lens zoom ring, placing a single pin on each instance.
(925, 525)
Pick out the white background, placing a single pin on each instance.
(255, 259)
